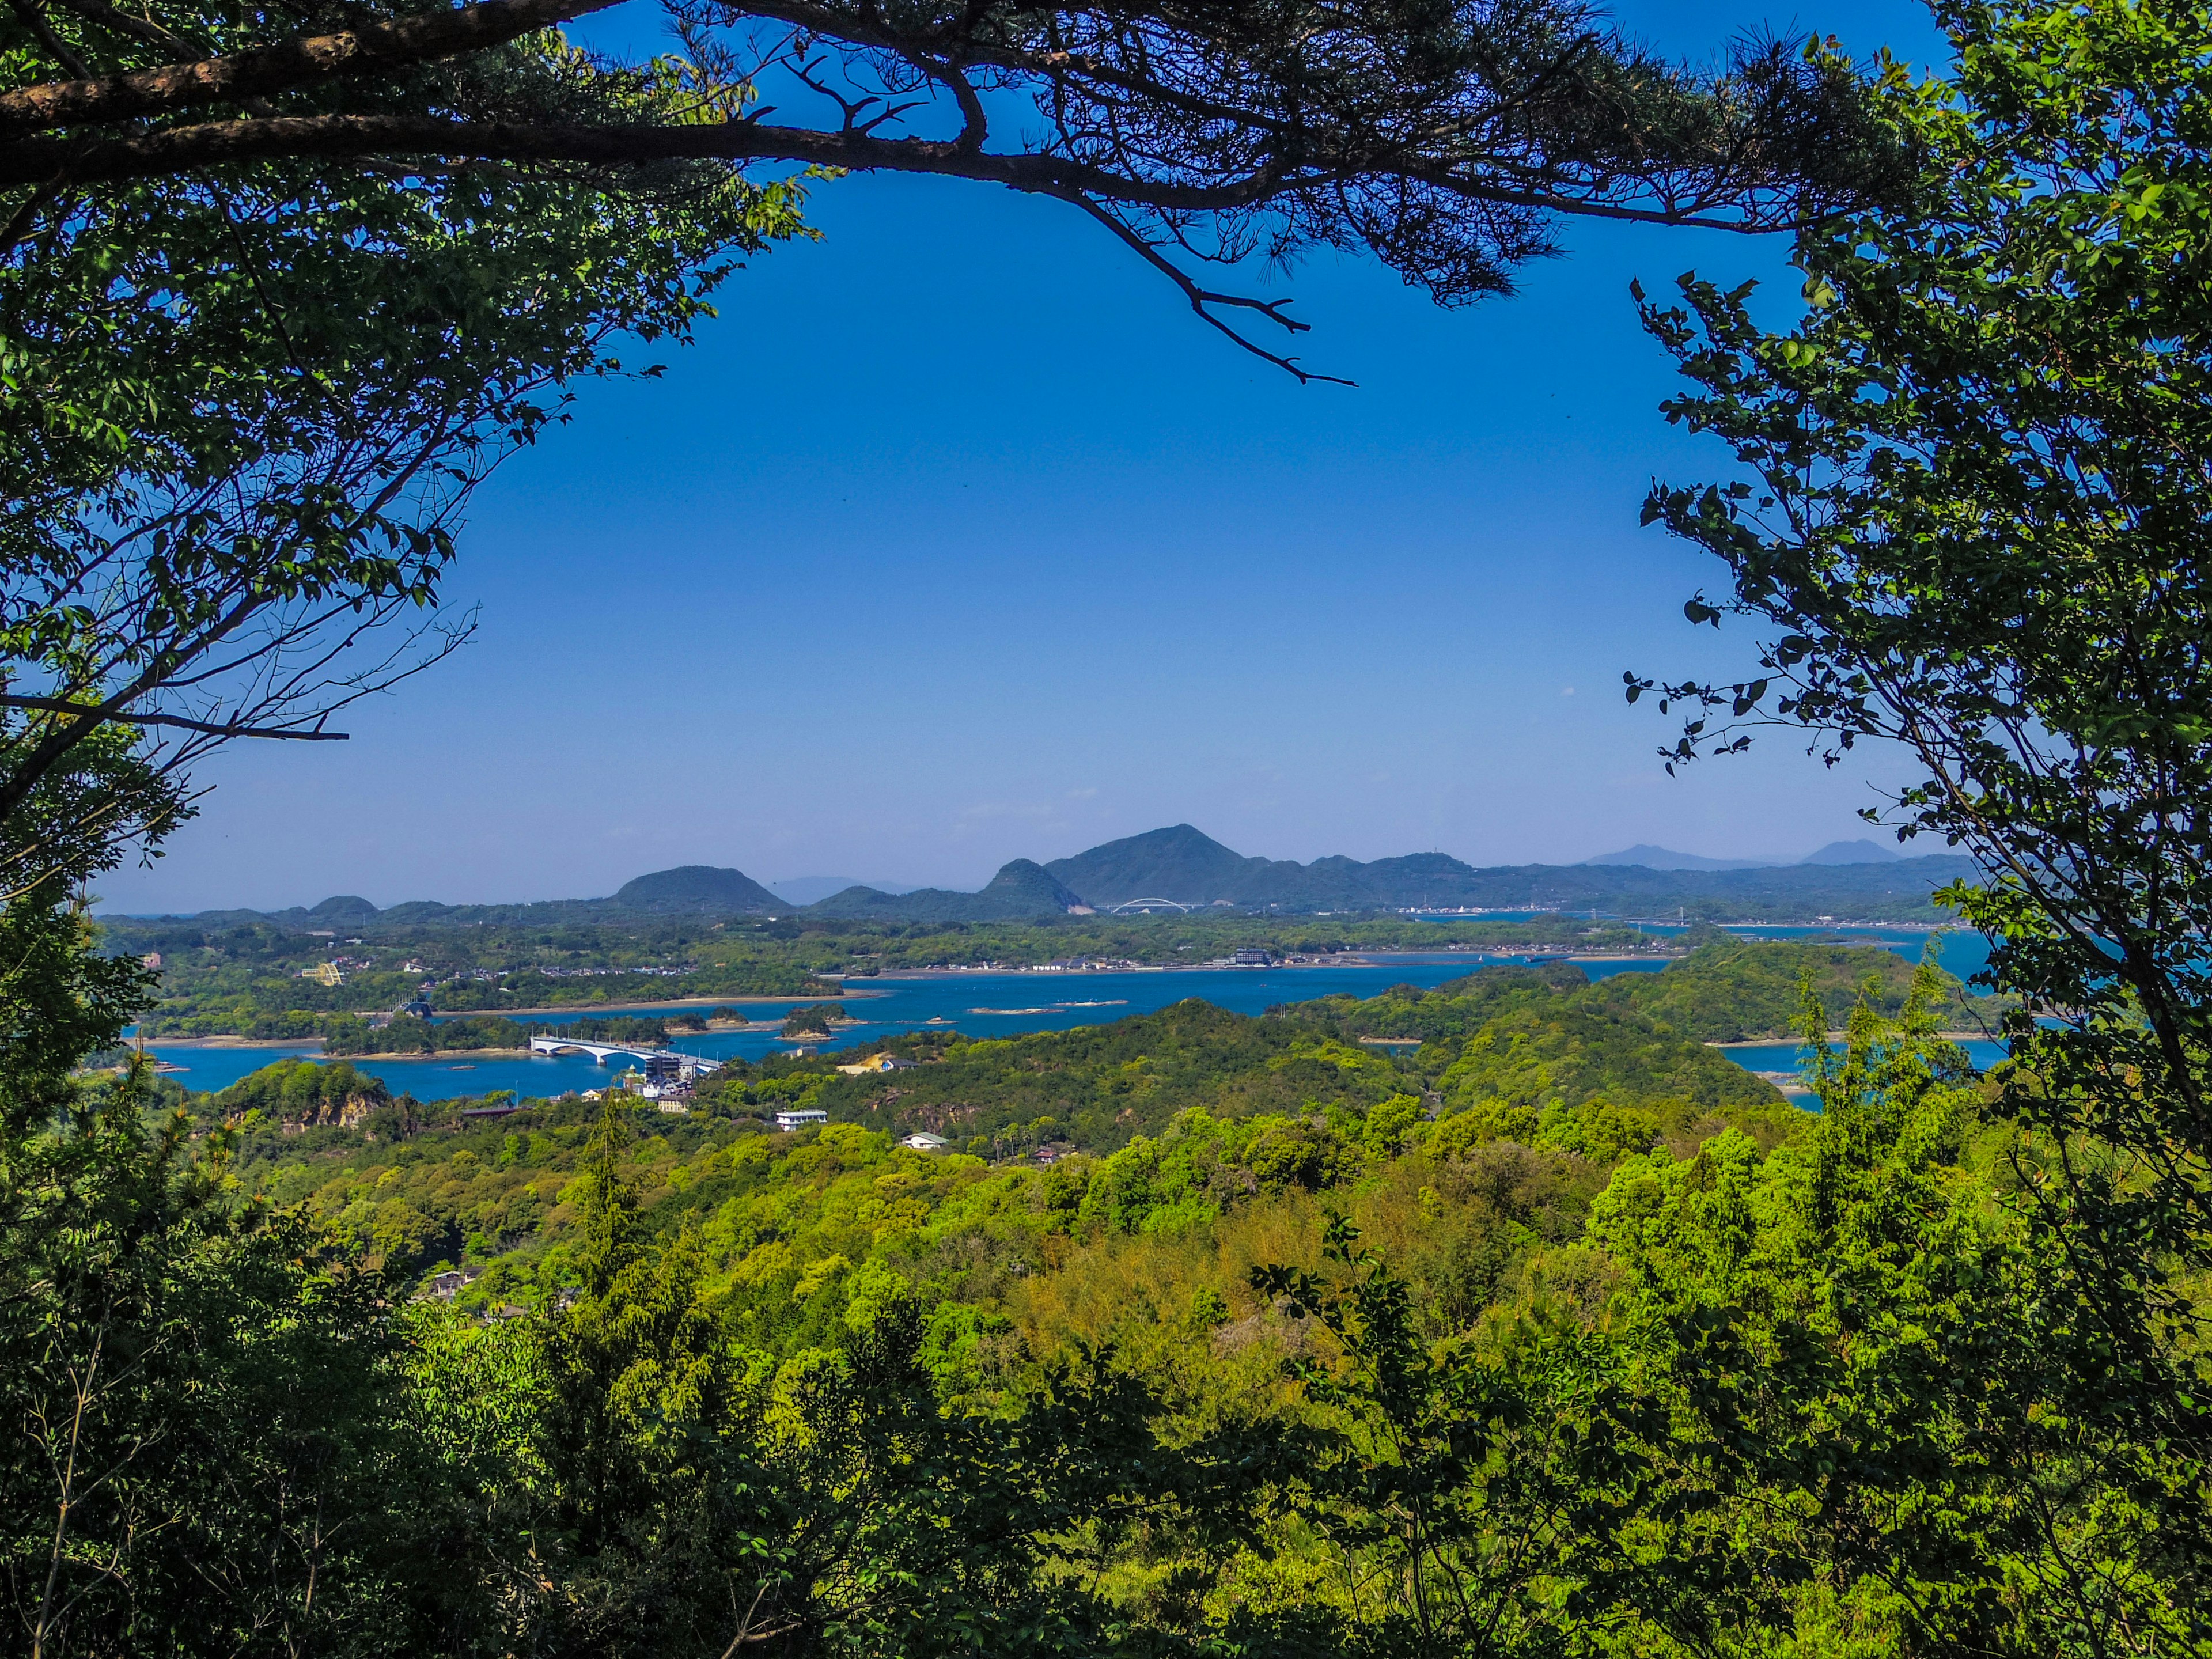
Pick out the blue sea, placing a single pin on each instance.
(981, 1004)
(1791, 1056)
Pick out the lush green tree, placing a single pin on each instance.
(666, 1490)
(1879, 1404)
(1973, 522)
(244, 413)
(203, 1454)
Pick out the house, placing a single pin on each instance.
(152, 959)
(445, 1286)
(805, 1118)
(922, 1141)
(876, 1063)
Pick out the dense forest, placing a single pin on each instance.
(1165, 1362)
(1539, 1056)
(1504, 1320)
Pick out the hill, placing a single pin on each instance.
(1853, 880)
(695, 890)
(1178, 863)
(1666, 857)
(1022, 890)
(1851, 851)
(1191, 868)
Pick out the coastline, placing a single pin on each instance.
(1838, 1036)
(618, 1011)
(589, 1011)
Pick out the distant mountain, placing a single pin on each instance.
(1192, 869)
(695, 890)
(1849, 879)
(1179, 864)
(345, 907)
(1022, 890)
(1853, 852)
(1662, 858)
(811, 890)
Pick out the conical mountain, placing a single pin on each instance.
(1178, 863)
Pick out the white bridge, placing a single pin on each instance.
(1145, 906)
(603, 1052)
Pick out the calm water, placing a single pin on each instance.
(979, 1005)
(1789, 1056)
(989, 1005)
(1958, 950)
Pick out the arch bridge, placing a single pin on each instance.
(1130, 906)
(603, 1052)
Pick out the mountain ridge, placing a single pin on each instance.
(1183, 866)
(1644, 856)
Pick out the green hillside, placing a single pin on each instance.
(1021, 891)
(696, 889)
(1541, 1056)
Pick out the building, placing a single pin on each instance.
(805, 1118)
(1253, 958)
(152, 959)
(922, 1141)
(446, 1286)
(875, 1063)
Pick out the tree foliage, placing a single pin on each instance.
(1973, 524)
(1443, 140)
(244, 413)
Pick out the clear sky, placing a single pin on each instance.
(957, 538)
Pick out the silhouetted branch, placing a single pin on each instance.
(96, 712)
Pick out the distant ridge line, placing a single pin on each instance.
(1181, 865)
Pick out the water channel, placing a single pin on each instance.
(989, 1005)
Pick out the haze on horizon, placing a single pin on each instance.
(957, 540)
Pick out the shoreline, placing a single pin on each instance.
(588, 1011)
(1837, 1037)
(620, 1010)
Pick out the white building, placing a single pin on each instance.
(922, 1141)
(805, 1119)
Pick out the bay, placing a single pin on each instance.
(981, 1004)
(997, 1004)
(1792, 1056)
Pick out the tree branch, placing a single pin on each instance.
(296, 62)
(1203, 300)
(58, 706)
(175, 150)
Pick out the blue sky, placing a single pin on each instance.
(957, 538)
